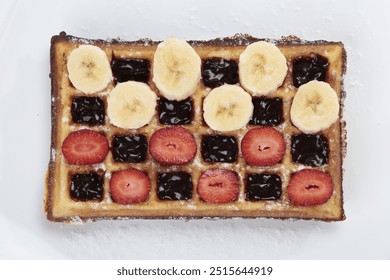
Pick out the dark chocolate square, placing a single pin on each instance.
(218, 71)
(310, 149)
(130, 69)
(219, 148)
(175, 112)
(88, 110)
(174, 186)
(86, 186)
(267, 111)
(308, 68)
(129, 148)
(263, 187)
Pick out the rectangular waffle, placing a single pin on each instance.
(60, 207)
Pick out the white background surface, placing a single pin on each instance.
(25, 31)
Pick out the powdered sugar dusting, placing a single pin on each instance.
(100, 166)
(53, 154)
(191, 206)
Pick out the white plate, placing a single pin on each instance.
(26, 28)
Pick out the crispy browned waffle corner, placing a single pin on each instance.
(61, 208)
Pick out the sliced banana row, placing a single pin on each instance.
(177, 69)
(177, 72)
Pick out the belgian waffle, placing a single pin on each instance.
(59, 205)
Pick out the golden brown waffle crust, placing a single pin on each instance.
(331, 212)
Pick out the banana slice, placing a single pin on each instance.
(227, 108)
(131, 105)
(89, 69)
(262, 68)
(176, 69)
(315, 107)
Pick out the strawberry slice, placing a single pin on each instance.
(218, 186)
(310, 187)
(173, 145)
(263, 146)
(85, 147)
(129, 186)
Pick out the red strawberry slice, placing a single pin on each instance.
(84, 147)
(310, 187)
(173, 145)
(218, 186)
(263, 146)
(129, 186)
